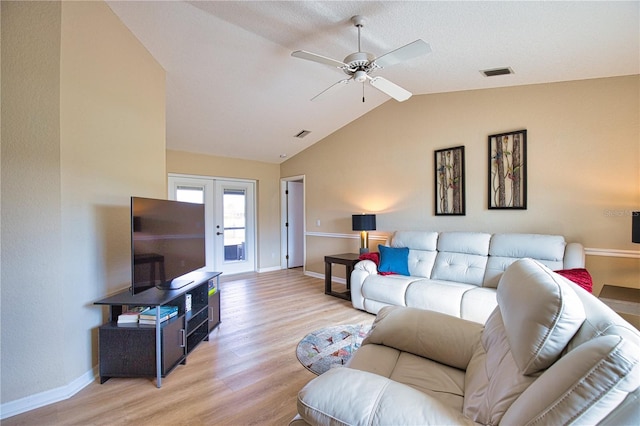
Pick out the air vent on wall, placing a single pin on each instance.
(302, 134)
(497, 71)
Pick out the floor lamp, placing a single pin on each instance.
(363, 223)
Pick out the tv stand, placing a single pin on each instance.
(140, 350)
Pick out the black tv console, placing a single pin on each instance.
(140, 350)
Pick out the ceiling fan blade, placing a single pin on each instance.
(303, 54)
(391, 89)
(406, 52)
(332, 89)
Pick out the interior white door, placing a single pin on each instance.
(295, 224)
(234, 231)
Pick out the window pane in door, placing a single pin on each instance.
(190, 194)
(234, 223)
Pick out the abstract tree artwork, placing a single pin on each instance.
(507, 170)
(449, 181)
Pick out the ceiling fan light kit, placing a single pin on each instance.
(359, 65)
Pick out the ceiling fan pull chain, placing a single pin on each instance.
(362, 92)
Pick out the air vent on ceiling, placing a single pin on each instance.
(302, 134)
(497, 71)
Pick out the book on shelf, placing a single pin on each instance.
(162, 319)
(149, 314)
(128, 318)
(131, 316)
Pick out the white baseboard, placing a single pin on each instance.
(270, 269)
(31, 402)
(321, 276)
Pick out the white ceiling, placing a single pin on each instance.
(234, 90)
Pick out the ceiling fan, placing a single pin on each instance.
(359, 65)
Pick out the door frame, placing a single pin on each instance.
(283, 220)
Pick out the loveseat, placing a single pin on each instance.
(549, 354)
(455, 273)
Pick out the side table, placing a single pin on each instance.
(624, 300)
(349, 260)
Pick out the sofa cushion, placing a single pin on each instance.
(421, 262)
(465, 242)
(462, 257)
(394, 259)
(459, 267)
(536, 246)
(442, 382)
(477, 304)
(344, 396)
(440, 337)
(420, 294)
(377, 359)
(505, 249)
(415, 240)
(422, 250)
(388, 289)
(541, 314)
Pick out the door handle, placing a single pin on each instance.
(218, 233)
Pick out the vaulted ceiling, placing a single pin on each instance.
(234, 90)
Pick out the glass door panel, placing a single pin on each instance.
(236, 226)
(190, 194)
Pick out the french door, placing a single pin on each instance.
(230, 219)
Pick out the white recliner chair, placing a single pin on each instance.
(550, 353)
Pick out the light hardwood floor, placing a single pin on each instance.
(246, 374)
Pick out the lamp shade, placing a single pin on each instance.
(363, 222)
(635, 227)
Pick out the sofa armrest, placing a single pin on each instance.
(443, 338)
(361, 271)
(573, 256)
(344, 396)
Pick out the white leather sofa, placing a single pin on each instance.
(549, 354)
(456, 273)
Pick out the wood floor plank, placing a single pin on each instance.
(246, 374)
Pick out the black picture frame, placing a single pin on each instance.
(449, 191)
(508, 170)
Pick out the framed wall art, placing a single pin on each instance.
(508, 170)
(449, 181)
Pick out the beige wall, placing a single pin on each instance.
(83, 117)
(267, 176)
(583, 168)
(31, 231)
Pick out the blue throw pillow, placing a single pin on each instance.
(394, 260)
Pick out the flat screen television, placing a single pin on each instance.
(167, 242)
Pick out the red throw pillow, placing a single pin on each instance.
(580, 276)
